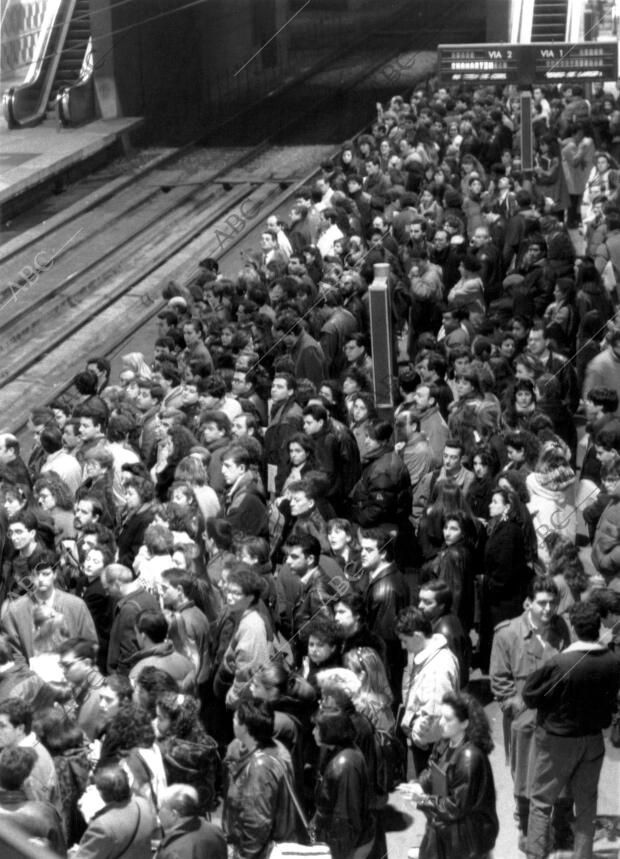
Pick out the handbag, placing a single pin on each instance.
(291, 849)
(614, 735)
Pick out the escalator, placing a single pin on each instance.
(549, 21)
(58, 65)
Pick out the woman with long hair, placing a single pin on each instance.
(485, 466)
(456, 565)
(489, 431)
(552, 405)
(301, 459)
(354, 382)
(331, 391)
(54, 499)
(506, 572)
(522, 406)
(597, 183)
(191, 470)
(175, 445)
(566, 569)
(462, 421)
(560, 318)
(515, 482)
(363, 410)
(457, 792)
(137, 516)
(190, 754)
(136, 362)
(447, 499)
(184, 503)
(50, 633)
(130, 739)
(374, 698)
(522, 451)
(549, 174)
(591, 293)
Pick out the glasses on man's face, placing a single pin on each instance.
(234, 592)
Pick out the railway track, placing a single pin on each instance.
(84, 281)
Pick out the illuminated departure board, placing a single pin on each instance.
(552, 62)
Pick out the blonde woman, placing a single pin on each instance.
(136, 362)
(374, 698)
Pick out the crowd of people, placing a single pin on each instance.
(226, 577)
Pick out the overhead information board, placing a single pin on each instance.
(543, 62)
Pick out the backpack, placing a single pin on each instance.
(196, 764)
(391, 761)
(350, 464)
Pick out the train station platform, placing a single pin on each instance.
(32, 157)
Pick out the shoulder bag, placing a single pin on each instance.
(290, 849)
(133, 835)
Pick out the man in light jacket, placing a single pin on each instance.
(432, 670)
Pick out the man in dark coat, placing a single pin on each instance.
(300, 231)
(157, 651)
(133, 599)
(335, 331)
(244, 504)
(382, 495)
(284, 421)
(317, 425)
(386, 594)
(187, 835)
(13, 469)
(304, 350)
(538, 345)
(575, 693)
(320, 585)
(35, 820)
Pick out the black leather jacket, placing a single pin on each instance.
(383, 492)
(462, 824)
(343, 817)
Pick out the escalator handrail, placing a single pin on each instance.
(70, 99)
(574, 22)
(26, 104)
(521, 21)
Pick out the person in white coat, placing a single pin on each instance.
(552, 497)
(432, 670)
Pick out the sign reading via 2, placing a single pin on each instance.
(529, 64)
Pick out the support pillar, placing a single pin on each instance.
(381, 341)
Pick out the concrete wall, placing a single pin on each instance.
(498, 20)
(154, 58)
